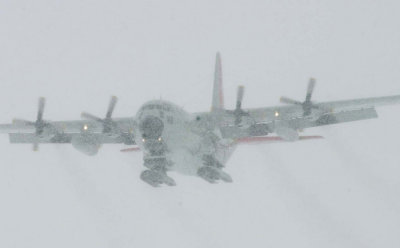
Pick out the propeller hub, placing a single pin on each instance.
(307, 105)
(109, 125)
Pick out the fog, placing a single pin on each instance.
(341, 191)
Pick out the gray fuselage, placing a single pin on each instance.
(164, 129)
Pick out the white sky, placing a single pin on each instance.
(338, 192)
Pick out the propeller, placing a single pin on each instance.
(39, 124)
(238, 112)
(307, 105)
(108, 123)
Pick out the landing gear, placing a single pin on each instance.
(212, 170)
(212, 174)
(156, 178)
(157, 173)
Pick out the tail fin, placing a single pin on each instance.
(218, 94)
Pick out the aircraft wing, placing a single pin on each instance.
(286, 120)
(121, 131)
(85, 135)
(362, 103)
(289, 112)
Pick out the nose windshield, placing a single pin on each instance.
(151, 127)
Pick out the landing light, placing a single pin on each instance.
(276, 113)
(143, 140)
(159, 139)
(85, 127)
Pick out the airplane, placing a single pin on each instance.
(196, 144)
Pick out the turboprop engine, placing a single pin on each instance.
(88, 143)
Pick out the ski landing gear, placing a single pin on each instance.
(212, 171)
(156, 178)
(157, 173)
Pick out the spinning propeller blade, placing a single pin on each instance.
(108, 123)
(111, 106)
(289, 101)
(238, 112)
(307, 105)
(310, 89)
(239, 97)
(42, 102)
(88, 116)
(39, 125)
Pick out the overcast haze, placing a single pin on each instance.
(342, 191)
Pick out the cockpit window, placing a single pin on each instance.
(166, 108)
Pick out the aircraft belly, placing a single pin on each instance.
(187, 153)
(184, 162)
(184, 150)
(187, 148)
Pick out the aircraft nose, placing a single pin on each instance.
(151, 127)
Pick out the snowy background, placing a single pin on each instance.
(342, 191)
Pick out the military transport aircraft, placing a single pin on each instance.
(193, 143)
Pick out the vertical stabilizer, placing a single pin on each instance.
(218, 94)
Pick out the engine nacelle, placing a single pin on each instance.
(260, 129)
(88, 144)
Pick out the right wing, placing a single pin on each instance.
(65, 131)
(85, 135)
